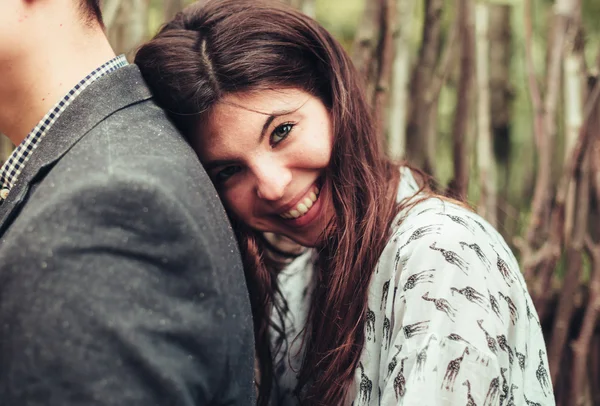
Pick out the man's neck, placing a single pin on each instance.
(35, 82)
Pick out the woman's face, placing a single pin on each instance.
(266, 152)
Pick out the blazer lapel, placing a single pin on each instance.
(99, 100)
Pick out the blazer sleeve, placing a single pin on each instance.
(120, 295)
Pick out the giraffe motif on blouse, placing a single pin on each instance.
(413, 280)
(370, 325)
(514, 314)
(422, 359)
(471, 295)
(415, 329)
(400, 381)
(504, 393)
(478, 251)
(470, 400)
(452, 371)
(494, 305)
(529, 402)
(452, 258)
(522, 358)
(490, 340)
(397, 259)
(456, 337)
(421, 232)
(530, 314)
(425, 211)
(511, 399)
(504, 270)
(480, 225)
(365, 387)
(394, 361)
(387, 336)
(442, 305)
(384, 294)
(503, 344)
(542, 375)
(492, 393)
(457, 220)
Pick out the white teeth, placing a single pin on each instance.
(303, 206)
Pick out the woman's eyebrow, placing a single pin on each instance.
(268, 122)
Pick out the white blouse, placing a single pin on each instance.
(449, 321)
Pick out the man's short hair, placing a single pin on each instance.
(92, 11)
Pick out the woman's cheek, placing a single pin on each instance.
(237, 200)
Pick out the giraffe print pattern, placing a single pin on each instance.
(477, 251)
(449, 320)
(470, 399)
(452, 371)
(442, 305)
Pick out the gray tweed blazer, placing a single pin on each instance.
(120, 279)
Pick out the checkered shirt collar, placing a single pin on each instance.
(14, 164)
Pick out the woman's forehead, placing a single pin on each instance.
(268, 101)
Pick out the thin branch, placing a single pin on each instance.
(541, 197)
(581, 346)
(566, 302)
(532, 83)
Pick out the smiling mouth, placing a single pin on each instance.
(303, 205)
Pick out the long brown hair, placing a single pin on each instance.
(227, 46)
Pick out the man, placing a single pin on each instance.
(120, 280)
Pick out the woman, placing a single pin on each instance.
(402, 297)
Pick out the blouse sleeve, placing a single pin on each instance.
(462, 326)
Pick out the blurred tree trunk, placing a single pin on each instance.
(400, 77)
(373, 56)
(501, 95)
(460, 129)
(418, 122)
(127, 25)
(171, 8)
(364, 49)
(385, 56)
(309, 8)
(485, 156)
(110, 10)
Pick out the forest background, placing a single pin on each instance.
(499, 100)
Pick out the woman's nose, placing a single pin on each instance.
(272, 180)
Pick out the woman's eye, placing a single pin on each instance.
(280, 133)
(226, 173)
